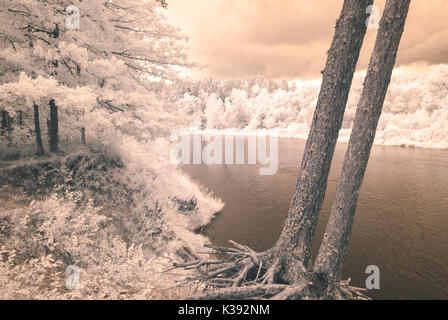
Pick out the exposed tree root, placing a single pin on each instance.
(243, 273)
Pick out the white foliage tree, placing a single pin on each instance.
(119, 48)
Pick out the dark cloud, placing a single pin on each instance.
(290, 38)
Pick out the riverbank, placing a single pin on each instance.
(90, 211)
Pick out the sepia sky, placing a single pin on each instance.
(289, 38)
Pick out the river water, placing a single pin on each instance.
(401, 223)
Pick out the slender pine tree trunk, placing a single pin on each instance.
(10, 120)
(83, 136)
(294, 244)
(40, 146)
(334, 246)
(4, 122)
(48, 129)
(54, 127)
(20, 118)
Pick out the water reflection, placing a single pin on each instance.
(401, 223)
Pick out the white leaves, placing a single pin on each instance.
(41, 90)
(73, 52)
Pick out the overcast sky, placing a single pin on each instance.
(289, 38)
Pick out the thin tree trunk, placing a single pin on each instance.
(48, 129)
(40, 146)
(4, 121)
(334, 246)
(294, 244)
(9, 121)
(83, 136)
(53, 128)
(20, 118)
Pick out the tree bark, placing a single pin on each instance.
(9, 121)
(334, 246)
(20, 118)
(294, 244)
(40, 146)
(4, 122)
(53, 128)
(48, 129)
(83, 136)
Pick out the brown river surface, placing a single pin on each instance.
(401, 224)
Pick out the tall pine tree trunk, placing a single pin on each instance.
(40, 146)
(294, 244)
(54, 127)
(334, 246)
